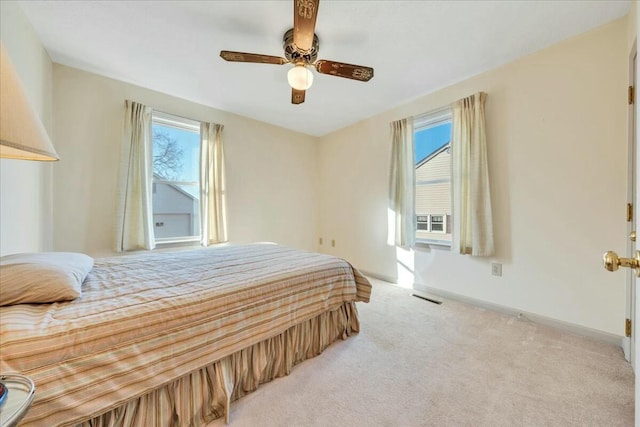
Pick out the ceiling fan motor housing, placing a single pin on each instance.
(295, 55)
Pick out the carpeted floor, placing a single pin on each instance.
(415, 363)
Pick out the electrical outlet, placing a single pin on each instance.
(496, 269)
(333, 243)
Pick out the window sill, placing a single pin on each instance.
(433, 244)
(178, 243)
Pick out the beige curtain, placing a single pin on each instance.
(212, 186)
(135, 215)
(402, 220)
(471, 195)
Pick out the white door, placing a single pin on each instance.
(632, 216)
(635, 296)
(612, 262)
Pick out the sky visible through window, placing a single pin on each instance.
(189, 143)
(429, 140)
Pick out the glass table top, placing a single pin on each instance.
(20, 392)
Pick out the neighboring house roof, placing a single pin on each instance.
(176, 187)
(445, 147)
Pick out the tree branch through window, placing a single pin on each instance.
(167, 156)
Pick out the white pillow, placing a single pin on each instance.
(42, 277)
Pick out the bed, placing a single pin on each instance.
(171, 338)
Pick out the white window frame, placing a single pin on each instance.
(182, 123)
(429, 222)
(425, 121)
(444, 223)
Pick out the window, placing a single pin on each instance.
(176, 184)
(432, 146)
(432, 223)
(423, 222)
(438, 223)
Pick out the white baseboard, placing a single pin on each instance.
(536, 318)
(389, 279)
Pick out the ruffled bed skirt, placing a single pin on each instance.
(204, 395)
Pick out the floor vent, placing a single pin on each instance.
(427, 299)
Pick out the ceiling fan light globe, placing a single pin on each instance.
(300, 77)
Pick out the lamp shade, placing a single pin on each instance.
(300, 77)
(22, 134)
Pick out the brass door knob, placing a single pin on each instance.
(612, 262)
(632, 236)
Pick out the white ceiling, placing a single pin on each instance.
(415, 48)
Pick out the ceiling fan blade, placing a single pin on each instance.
(297, 96)
(251, 57)
(350, 71)
(305, 13)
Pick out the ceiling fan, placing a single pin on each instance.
(301, 49)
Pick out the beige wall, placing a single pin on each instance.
(556, 129)
(25, 187)
(271, 179)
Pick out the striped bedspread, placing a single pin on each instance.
(145, 320)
